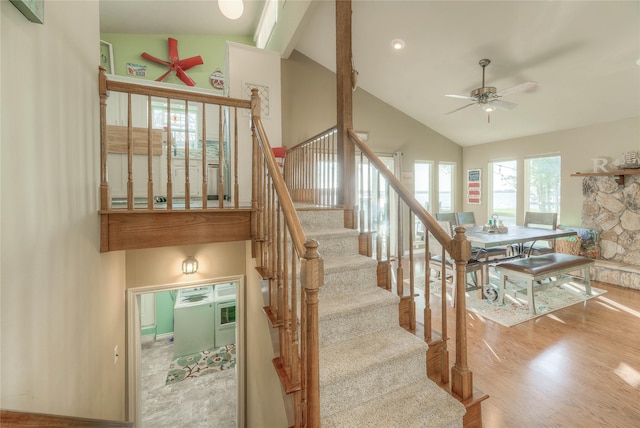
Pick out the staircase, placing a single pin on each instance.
(372, 371)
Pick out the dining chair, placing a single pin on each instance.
(450, 217)
(474, 268)
(543, 221)
(465, 218)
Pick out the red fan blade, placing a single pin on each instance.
(183, 76)
(186, 64)
(173, 50)
(161, 78)
(154, 59)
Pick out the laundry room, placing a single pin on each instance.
(188, 344)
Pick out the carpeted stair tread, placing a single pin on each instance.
(418, 405)
(367, 353)
(317, 219)
(347, 274)
(378, 363)
(335, 306)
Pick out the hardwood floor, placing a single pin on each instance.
(576, 367)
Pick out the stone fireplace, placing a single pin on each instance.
(613, 210)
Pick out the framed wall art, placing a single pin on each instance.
(32, 9)
(473, 186)
(106, 56)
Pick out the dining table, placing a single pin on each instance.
(514, 236)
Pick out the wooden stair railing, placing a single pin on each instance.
(310, 170)
(14, 419)
(459, 249)
(292, 266)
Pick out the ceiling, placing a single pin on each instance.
(582, 54)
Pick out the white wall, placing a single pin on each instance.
(577, 147)
(247, 64)
(62, 302)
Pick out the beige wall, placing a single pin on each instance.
(577, 147)
(265, 397)
(309, 107)
(158, 266)
(62, 302)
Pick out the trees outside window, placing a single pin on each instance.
(542, 184)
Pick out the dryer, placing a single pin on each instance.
(225, 308)
(194, 321)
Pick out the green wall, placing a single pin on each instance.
(164, 311)
(127, 48)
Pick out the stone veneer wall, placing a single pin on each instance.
(614, 212)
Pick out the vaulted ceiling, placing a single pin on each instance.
(583, 55)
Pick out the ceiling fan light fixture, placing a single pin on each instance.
(488, 108)
(231, 9)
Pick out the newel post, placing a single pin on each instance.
(461, 376)
(312, 277)
(257, 230)
(105, 196)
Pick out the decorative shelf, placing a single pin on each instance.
(617, 175)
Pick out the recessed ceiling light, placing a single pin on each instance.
(638, 62)
(397, 44)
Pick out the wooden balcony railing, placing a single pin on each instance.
(175, 151)
(387, 215)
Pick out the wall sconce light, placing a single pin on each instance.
(189, 265)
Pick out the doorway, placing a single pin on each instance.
(167, 389)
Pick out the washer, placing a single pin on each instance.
(194, 321)
(225, 304)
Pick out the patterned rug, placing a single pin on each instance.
(515, 310)
(201, 363)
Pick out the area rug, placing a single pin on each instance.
(201, 363)
(515, 310)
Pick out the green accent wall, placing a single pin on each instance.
(127, 48)
(164, 311)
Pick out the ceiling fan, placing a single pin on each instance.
(488, 97)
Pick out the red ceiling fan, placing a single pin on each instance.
(174, 63)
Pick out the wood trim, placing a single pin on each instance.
(288, 385)
(117, 140)
(11, 419)
(130, 230)
(176, 94)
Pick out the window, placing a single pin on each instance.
(422, 192)
(542, 184)
(504, 193)
(446, 174)
(267, 23)
(422, 180)
(181, 121)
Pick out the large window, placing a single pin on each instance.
(422, 180)
(503, 192)
(542, 184)
(446, 174)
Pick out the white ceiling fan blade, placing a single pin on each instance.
(462, 97)
(526, 86)
(460, 108)
(504, 105)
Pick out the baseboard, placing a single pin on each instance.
(164, 336)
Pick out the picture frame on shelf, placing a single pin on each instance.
(33, 10)
(106, 56)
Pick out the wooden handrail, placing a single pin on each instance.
(438, 232)
(458, 247)
(290, 213)
(278, 231)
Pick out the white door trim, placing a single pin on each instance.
(132, 381)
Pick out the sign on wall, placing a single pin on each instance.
(473, 186)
